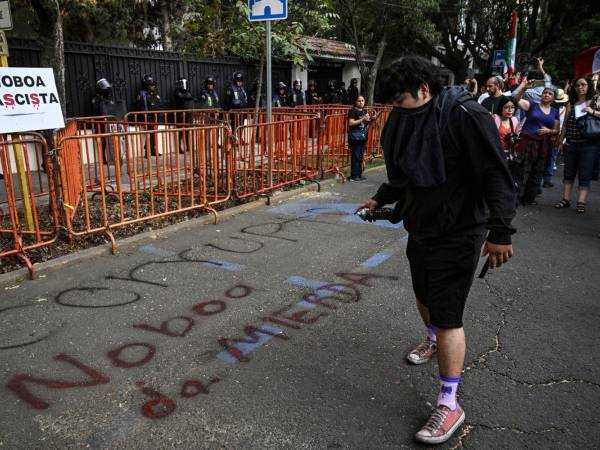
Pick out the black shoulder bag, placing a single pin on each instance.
(591, 124)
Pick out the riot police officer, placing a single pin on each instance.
(184, 100)
(331, 95)
(149, 100)
(103, 102)
(209, 97)
(281, 97)
(183, 97)
(343, 93)
(353, 91)
(297, 97)
(236, 97)
(312, 96)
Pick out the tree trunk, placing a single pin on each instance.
(52, 42)
(532, 25)
(165, 25)
(374, 69)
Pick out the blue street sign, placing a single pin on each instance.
(267, 10)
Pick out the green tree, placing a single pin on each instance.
(383, 29)
(221, 28)
(472, 29)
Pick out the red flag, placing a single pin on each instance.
(587, 62)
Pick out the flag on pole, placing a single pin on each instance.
(587, 62)
(512, 45)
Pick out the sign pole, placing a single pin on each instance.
(18, 153)
(269, 94)
(269, 77)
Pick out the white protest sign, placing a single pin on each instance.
(5, 17)
(28, 100)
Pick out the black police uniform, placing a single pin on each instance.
(353, 93)
(331, 96)
(236, 97)
(313, 97)
(297, 98)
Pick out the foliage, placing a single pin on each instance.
(473, 29)
(218, 28)
(383, 29)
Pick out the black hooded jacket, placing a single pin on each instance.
(475, 191)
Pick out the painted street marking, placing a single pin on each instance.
(222, 265)
(301, 281)
(308, 210)
(153, 250)
(247, 347)
(376, 259)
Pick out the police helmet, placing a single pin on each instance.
(297, 83)
(209, 80)
(182, 83)
(237, 76)
(281, 85)
(103, 85)
(148, 80)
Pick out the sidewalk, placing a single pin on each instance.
(285, 327)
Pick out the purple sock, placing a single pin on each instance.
(448, 388)
(431, 333)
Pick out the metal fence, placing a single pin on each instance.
(125, 66)
(110, 173)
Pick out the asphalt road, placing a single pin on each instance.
(286, 327)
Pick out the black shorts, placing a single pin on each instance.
(442, 271)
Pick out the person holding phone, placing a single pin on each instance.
(537, 137)
(359, 120)
(540, 80)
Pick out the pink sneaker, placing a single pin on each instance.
(422, 352)
(441, 425)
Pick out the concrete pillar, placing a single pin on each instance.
(349, 71)
(298, 73)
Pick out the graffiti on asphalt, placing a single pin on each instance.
(324, 299)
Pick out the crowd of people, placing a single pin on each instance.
(539, 121)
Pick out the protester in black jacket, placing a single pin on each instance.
(445, 167)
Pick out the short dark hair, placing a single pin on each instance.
(406, 75)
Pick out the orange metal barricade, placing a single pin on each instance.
(193, 117)
(165, 171)
(334, 153)
(29, 217)
(373, 148)
(245, 117)
(271, 155)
